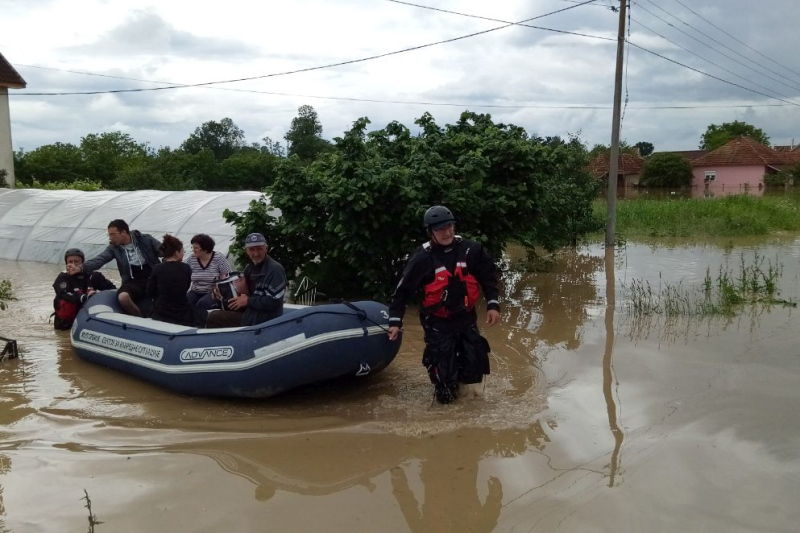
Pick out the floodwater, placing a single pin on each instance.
(593, 420)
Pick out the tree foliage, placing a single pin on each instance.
(222, 138)
(645, 148)
(305, 135)
(667, 170)
(3, 176)
(719, 135)
(351, 217)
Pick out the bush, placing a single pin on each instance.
(350, 218)
(667, 170)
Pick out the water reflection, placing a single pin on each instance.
(609, 377)
(437, 481)
(551, 299)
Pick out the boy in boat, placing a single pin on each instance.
(72, 290)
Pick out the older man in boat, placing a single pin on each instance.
(260, 292)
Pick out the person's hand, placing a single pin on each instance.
(492, 317)
(73, 269)
(215, 293)
(90, 292)
(394, 332)
(240, 302)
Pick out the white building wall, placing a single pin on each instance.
(6, 153)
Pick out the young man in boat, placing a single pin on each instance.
(260, 293)
(136, 254)
(451, 271)
(72, 290)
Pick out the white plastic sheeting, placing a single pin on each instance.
(40, 225)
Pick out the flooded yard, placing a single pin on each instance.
(595, 419)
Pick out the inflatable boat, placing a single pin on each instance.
(307, 344)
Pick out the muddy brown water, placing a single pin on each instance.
(593, 421)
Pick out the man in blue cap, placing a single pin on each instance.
(261, 292)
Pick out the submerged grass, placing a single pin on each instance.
(704, 217)
(721, 295)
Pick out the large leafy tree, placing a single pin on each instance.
(717, 135)
(305, 135)
(222, 138)
(350, 218)
(62, 162)
(667, 170)
(106, 154)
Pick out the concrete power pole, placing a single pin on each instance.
(613, 169)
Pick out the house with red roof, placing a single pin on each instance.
(629, 169)
(9, 79)
(740, 164)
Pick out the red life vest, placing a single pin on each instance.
(450, 293)
(65, 313)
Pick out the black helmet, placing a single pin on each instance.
(438, 216)
(74, 251)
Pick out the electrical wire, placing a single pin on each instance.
(330, 65)
(709, 61)
(709, 75)
(718, 51)
(737, 40)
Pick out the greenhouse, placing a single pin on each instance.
(40, 225)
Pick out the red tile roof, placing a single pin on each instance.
(691, 155)
(10, 77)
(628, 164)
(743, 151)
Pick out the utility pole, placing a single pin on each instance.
(613, 167)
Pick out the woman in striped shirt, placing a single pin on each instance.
(206, 266)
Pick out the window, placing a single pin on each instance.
(711, 175)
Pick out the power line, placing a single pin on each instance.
(717, 51)
(709, 75)
(507, 23)
(330, 65)
(412, 102)
(629, 42)
(709, 61)
(737, 40)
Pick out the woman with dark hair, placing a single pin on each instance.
(168, 286)
(207, 265)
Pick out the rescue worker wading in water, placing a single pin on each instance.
(452, 271)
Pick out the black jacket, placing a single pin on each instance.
(419, 271)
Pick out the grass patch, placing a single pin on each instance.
(720, 295)
(704, 217)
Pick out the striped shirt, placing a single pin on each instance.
(203, 276)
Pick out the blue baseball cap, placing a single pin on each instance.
(255, 239)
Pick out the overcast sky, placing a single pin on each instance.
(535, 78)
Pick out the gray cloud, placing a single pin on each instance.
(146, 33)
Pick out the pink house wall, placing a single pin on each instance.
(733, 176)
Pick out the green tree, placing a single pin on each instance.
(62, 162)
(719, 135)
(223, 138)
(350, 218)
(667, 170)
(3, 175)
(249, 169)
(305, 135)
(170, 170)
(106, 154)
(602, 149)
(645, 148)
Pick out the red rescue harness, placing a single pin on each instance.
(450, 293)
